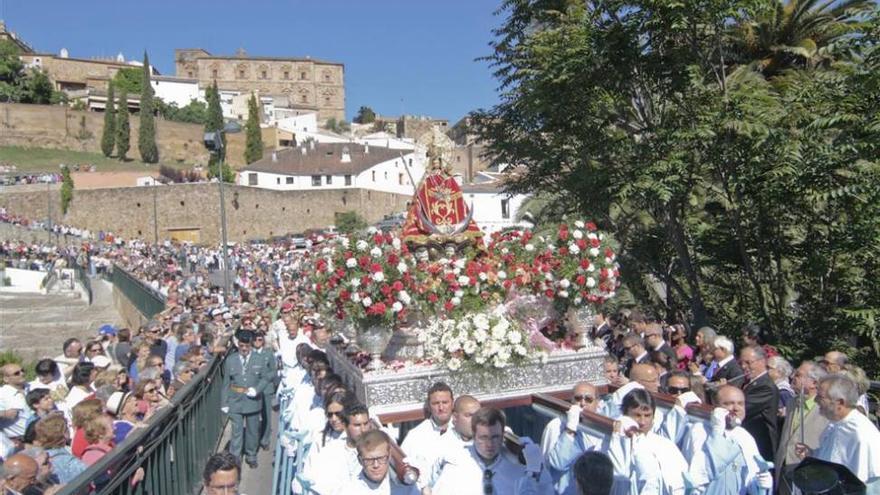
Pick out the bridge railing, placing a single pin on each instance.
(148, 301)
(172, 449)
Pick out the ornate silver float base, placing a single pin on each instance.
(387, 391)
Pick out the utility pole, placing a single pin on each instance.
(155, 216)
(48, 211)
(223, 234)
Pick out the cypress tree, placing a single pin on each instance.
(147, 130)
(214, 123)
(253, 149)
(108, 135)
(66, 189)
(123, 129)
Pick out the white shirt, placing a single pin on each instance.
(13, 398)
(292, 373)
(551, 434)
(75, 396)
(463, 475)
(364, 486)
(450, 445)
(650, 461)
(422, 446)
(65, 364)
(700, 464)
(332, 468)
(854, 442)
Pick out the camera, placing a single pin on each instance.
(213, 141)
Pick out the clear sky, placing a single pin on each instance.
(410, 56)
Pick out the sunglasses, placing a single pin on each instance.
(149, 390)
(585, 398)
(338, 414)
(678, 390)
(17, 373)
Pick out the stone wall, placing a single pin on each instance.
(59, 127)
(251, 213)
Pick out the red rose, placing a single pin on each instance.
(377, 309)
(364, 261)
(548, 293)
(398, 285)
(591, 226)
(582, 243)
(563, 251)
(378, 239)
(344, 295)
(585, 263)
(581, 280)
(375, 267)
(393, 259)
(563, 234)
(594, 243)
(365, 280)
(385, 289)
(340, 272)
(507, 284)
(432, 297)
(609, 253)
(449, 306)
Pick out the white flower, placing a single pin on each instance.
(355, 282)
(469, 347)
(499, 332)
(367, 302)
(453, 364)
(608, 260)
(395, 243)
(579, 224)
(404, 297)
(577, 234)
(563, 293)
(591, 282)
(464, 280)
(457, 271)
(480, 335)
(564, 283)
(551, 247)
(396, 307)
(459, 293)
(401, 267)
(351, 263)
(504, 250)
(455, 301)
(356, 297)
(502, 275)
(326, 251)
(548, 276)
(481, 321)
(375, 252)
(372, 230)
(361, 245)
(574, 249)
(520, 350)
(594, 251)
(344, 241)
(480, 359)
(514, 337)
(499, 362)
(379, 276)
(530, 247)
(578, 300)
(483, 276)
(459, 263)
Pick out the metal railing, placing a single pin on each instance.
(148, 301)
(82, 277)
(172, 449)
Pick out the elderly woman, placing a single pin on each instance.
(704, 341)
(780, 370)
(140, 355)
(149, 400)
(53, 435)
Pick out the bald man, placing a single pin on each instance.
(461, 438)
(646, 375)
(562, 442)
(14, 411)
(20, 474)
(724, 453)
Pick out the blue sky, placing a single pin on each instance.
(412, 56)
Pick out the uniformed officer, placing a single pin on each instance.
(246, 379)
(264, 352)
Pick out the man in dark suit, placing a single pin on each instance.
(635, 349)
(655, 343)
(762, 402)
(727, 368)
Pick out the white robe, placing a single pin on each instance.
(363, 486)
(701, 465)
(450, 445)
(422, 447)
(333, 467)
(463, 475)
(854, 442)
(646, 464)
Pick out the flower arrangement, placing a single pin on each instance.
(366, 278)
(456, 286)
(478, 340)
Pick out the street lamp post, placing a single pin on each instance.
(155, 216)
(214, 143)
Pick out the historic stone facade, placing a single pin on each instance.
(192, 210)
(307, 83)
(74, 74)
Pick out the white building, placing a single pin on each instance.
(387, 140)
(335, 166)
(177, 90)
(494, 209)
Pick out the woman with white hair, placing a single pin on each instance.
(780, 370)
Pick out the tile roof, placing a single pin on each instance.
(325, 159)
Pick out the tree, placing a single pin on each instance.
(214, 123)
(147, 130)
(365, 115)
(23, 86)
(37, 88)
(123, 128)
(337, 126)
(130, 80)
(348, 222)
(195, 112)
(745, 198)
(108, 135)
(253, 150)
(66, 189)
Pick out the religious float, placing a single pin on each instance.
(497, 317)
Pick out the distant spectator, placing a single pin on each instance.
(124, 409)
(71, 355)
(683, 351)
(81, 380)
(123, 347)
(53, 435)
(83, 413)
(49, 377)
(99, 435)
(780, 371)
(594, 474)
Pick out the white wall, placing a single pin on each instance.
(386, 140)
(298, 124)
(488, 212)
(300, 182)
(177, 92)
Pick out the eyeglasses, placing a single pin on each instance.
(149, 390)
(97, 349)
(626, 348)
(330, 414)
(585, 398)
(677, 390)
(487, 482)
(374, 461)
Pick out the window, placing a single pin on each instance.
(347, 180)
(327, 100)
(286, 74)
(316, 180)
(252, 179)
(505, 208)
(278, 180)
(264, 75)
(304, 99)
(302, 75)
(289, 180)
(214, 73)
(400, 179)
(386, 175)
(326, 77)
(374, 176)
(189, 74)
(329, 179)
(241, 74)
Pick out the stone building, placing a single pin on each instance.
(414, 126)
(308, 84)
(7, 35)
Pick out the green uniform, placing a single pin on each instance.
(268, 357)
(241, 373)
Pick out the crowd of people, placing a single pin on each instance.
(766, 415)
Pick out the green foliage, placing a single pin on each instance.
(8, 357)
(108, 135)
(129, 80)
(747, 194)
(195, 112)
(253, 149)
(338, 127)
(147, 129)
(123, 128)
(348, 222)
(37, 88)
(20, 85)
(214, 122)
(365, 115)
(66, 189)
